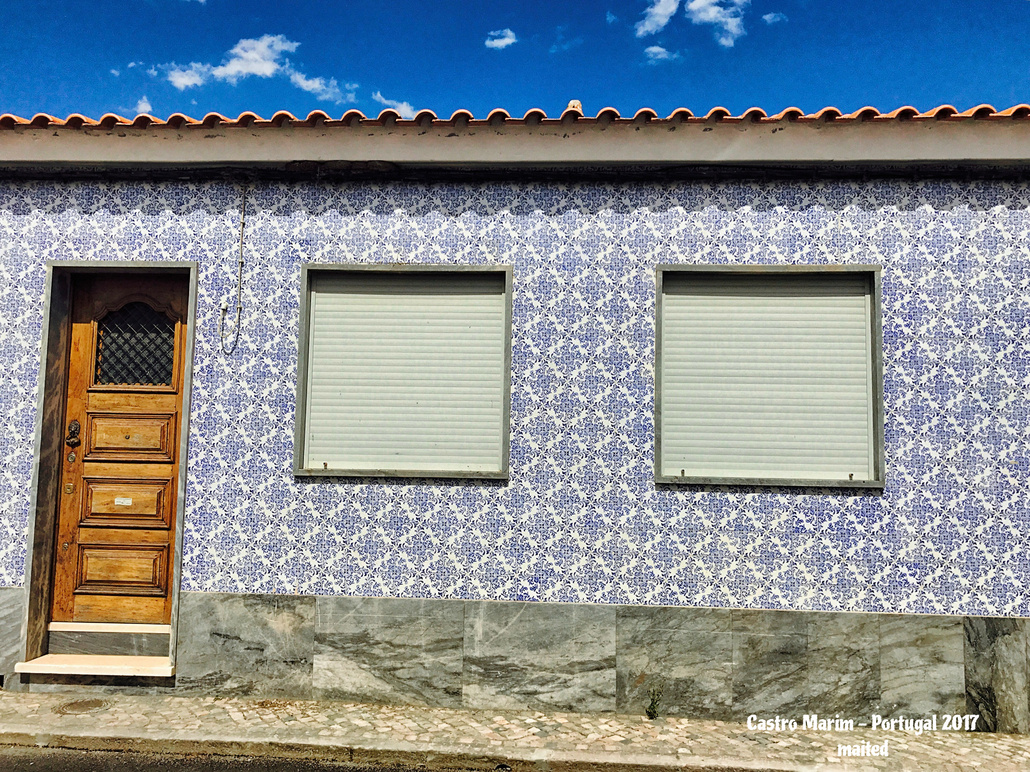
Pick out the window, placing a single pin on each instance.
(769, 375)
(404, 371)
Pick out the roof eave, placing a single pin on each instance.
(872, 144)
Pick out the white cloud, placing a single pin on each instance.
(500, 38)
(772, 18)
(115, 73)
(727, 15)
(407, 112)
(656, 17)
(152, 72)
(327, 90)
(657, 54)
(143, 105)
(610, 17)
(251, 56)
(187, 77)
(263, 57)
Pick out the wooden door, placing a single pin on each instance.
(119, 478)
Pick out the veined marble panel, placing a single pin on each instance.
(243, 645)
(770, 662)
(843, 663)
(688, 653)
(389, 650)
(12, 607)
(921, 665)
(539, 656)
(770, 674)
(130, 644)
(769, 622)
(996, 673)
(87, 685)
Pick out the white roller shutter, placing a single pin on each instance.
(766, 377)
(407, 372)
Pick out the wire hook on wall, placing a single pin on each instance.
(235, 334)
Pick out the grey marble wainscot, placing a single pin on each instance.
(996, 673)
(12, 608)
(544, 656)
(770, 662)
(92, 685)
(921, 665)
(843, 664)
(127, 644)
(389, 651)
(686, 652)
(246, 645)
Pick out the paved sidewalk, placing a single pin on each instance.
(441, 738)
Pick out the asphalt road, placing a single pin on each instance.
(19, 759)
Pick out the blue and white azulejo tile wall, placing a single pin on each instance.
(580, 519)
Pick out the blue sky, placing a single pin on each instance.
(198, 56)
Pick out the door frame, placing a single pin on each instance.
(48, 443)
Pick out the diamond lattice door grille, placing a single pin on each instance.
(135, 347)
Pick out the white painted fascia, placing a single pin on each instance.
(975, 142)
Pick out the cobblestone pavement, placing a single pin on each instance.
(446, 738)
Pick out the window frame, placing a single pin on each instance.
(307, 272)
(873, 277)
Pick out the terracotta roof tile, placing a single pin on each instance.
(864, 114)
(1018, 111)
(498, 116)
(716, 114)
(680, 114)
(607, 115)
(790, 114)
(426, 118)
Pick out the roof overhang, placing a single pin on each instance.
(636, 147)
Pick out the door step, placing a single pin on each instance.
(97, 664)
(108, 627)
(106, 639)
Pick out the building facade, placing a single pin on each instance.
(562, 565)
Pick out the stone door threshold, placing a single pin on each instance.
(108, 627)
(97, 664)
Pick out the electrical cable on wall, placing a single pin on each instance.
(239, 290)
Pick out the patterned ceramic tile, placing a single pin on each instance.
(580, 519)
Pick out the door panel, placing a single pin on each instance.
(128, 437)
(119, 476)
(114, 608)
(126, 503)
(122, 569)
